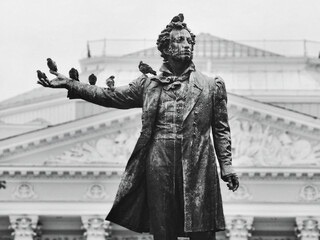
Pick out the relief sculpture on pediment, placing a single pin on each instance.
(255, 144)
(115, 148)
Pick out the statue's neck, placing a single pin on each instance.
(178, 67)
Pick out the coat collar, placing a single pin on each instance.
(165, 69)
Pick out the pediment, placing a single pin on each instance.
(111, 148)
(263, 135)
(104, 139)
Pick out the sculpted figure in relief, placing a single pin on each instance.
(258, 145)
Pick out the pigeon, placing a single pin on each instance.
(110, 83)
(41, 75)
(52, 65)
(92, 79)
(2, 184)
(178, 18)
(145, 68)
(74, 74)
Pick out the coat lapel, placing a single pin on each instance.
(194, 91)
(151, 105)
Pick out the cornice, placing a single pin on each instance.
(279, 96)
(35, 104)
(284, 118)
(54, 208)
(116, 171)
(61, 171)
(64, 132)
(278, 173)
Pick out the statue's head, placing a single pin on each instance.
(176, 41)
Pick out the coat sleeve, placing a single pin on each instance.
(130, 96)
(221, 130)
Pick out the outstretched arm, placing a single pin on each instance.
(221, 135)
(122, 97)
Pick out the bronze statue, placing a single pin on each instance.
(170, 186)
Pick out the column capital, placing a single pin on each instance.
(239, 227)
(24, 226)
(97, 228)
(308, 228)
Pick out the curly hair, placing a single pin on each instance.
(163, 40)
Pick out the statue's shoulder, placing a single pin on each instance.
(218, 80)
(146, 82)
(211, 80)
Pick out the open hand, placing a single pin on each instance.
(233, 182)
(59, 82)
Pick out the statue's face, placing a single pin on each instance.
(180, 47)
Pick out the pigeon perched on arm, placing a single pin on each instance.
(145, 68)
(2, 184)
(74, 74)
(110, 83)
(41, 75)
(52, 65)
(92, 79)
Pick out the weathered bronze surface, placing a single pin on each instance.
(170, 186)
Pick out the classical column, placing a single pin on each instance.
(239, 227)
(24, 226)
(96, 228)
(308, 228)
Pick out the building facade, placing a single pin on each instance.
(63, 159)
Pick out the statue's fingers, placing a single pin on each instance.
(235, 184)
(42, 83)
(230, 184)
(48, 82)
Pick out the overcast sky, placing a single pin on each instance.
(31, 31)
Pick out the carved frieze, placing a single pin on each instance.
(309, 193)
(242, 193)
(114, 148)
(24, 191)
(96, 192)
(259, 144)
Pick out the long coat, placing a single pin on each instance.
(206, 109)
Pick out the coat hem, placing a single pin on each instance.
(127, 225)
